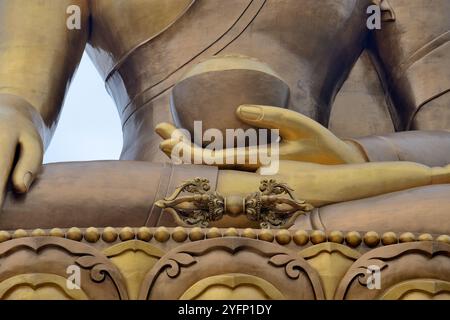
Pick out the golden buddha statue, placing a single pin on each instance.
(356, 181)
(276, 64)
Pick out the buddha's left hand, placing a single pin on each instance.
(302, 139)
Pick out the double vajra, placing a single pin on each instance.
(194, 204)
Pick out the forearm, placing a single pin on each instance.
(39, 54)
(325, 184)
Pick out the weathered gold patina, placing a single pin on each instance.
(364, 124)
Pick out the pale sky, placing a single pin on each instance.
(89, 127)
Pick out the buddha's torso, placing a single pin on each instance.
(143, 47)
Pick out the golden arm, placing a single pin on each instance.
(38, 57)
(321, 168)
(324, 184)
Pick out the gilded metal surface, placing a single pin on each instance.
(268, 207)
(276, 64)
(141, 63)
(271, 208)
(141, 267)
(293, 65)
(233, 286)
(197, 209)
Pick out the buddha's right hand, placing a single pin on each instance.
(21, 147)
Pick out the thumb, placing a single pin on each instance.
(29, 164)
(291, 125)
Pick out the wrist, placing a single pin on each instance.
(357, 152)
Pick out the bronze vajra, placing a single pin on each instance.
(273, 206)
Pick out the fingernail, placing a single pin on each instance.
(27, 178)
(250, 112)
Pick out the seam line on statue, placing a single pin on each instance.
(124, 58)
(319, 217)
(168, 76)
(198, 56)
(159, 194)
(245, 28)
(313, 216)
(143, 105)
(360, 148)
(420, 53)
(151, 210)
(413, 116)
(392, 146)
(167, 192)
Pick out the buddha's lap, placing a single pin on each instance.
(121, 193)
(422, 209)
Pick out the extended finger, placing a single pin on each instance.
(181, 151)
